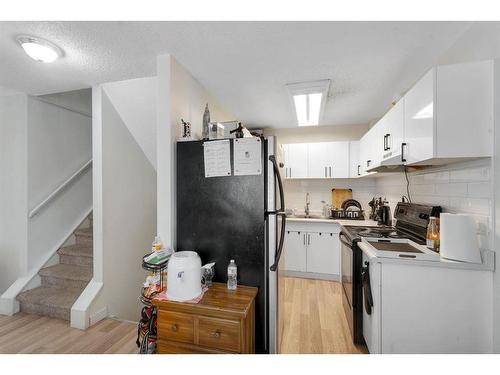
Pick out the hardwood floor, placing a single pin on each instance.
(314, 320)
(25, 333)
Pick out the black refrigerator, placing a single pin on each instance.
(235, 217)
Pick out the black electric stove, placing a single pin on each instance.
(411, 223)
(355, 232)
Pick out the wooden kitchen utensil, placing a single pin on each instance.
(339, 196)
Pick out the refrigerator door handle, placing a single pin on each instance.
(279, 249)
(277, 176)
(279, 212)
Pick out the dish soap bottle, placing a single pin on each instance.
(206, 123)
(433, 234)
(232, 275)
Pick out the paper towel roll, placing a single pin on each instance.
(458, 238)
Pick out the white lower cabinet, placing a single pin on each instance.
(312, 252)
(295, 256)
(421, 309)
(323, 253)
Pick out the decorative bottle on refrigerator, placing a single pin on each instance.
(232, 275)
(206, 123)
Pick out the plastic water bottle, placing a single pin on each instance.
(232, 275)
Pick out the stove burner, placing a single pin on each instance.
(370, 233)
(379, 233)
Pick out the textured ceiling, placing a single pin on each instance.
(244, 64)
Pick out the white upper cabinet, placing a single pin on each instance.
(449, 114)
(419, 120)
(297, 160)
(318, 166)
(337, 159)
(393, 133)
(464, 109)
(354, 166)
(370, 149)
(317, 160)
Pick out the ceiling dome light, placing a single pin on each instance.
(39, 49)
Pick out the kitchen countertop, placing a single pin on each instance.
(487, 256)
(333, 221)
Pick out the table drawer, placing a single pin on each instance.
(219, 333)
(176, 326)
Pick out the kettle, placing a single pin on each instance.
(384, 215)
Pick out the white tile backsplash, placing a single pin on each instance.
(321, 190)
(458, 188)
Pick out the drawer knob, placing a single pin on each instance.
(174, 327)
(216, 334)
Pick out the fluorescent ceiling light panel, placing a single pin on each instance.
(309, 101)
(39, 49)
(425, 112)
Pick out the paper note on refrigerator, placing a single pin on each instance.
(247, 156)
(217, 158)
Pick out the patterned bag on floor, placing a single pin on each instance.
(146, 331)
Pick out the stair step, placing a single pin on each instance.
(49, 301)
(85, 236)
(78, 254)
(66, 276)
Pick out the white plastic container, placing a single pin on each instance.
(184, 276)
(459, 239)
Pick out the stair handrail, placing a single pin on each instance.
(35, 211)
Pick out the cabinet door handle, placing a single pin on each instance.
(174, 328)
(368, 163)
(325, 171)
(290, 170)
(403, 159)
(215, 334)
(330, 171)
(359, 174)
(387, 141)
(304, 239)
(308, 239)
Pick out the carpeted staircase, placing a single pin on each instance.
(62, 283)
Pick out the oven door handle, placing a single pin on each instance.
(344, 241)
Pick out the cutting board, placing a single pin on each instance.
(339, 196)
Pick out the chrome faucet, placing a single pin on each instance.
(308, 202)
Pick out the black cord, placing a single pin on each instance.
(407, 184)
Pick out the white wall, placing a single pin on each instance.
(481, 42)
(180, 95)
(139, 114)
(496, 212)
(13, 188)
(42, 145)
(125, 203)
(59, 144)
(77, 100)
